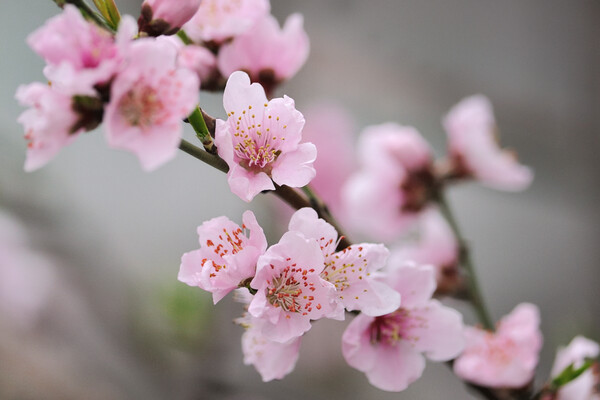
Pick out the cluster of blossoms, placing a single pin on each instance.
(392, 196)
(144, 80)
(142, 85)
(224, 36)
(135, 87)
(304, 278)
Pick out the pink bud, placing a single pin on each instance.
(165, 17)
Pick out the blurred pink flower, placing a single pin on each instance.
(166, 16)
(272, 360)
(49, 123)
(198, 59)
(195, 58)
(227, 255)
(431, 242)
(388, 349)
(290, 292)
(352, 270)
(79, 53)
(218, 20)
(268, 53)
(149, 99)
(331, 129)
(261, 140)
(385, 196)
(506, 358)
(474, 150)
(27, 278)
(585, 386)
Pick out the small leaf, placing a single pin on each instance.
(109, 11)
(569, 374)
(101, 6)
(113, 12)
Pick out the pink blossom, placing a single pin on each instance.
(195, 58)
(149, 99)
(351, 270)
(431, 242)
(388, 349)
(260, 140)
(218, 20)
(269, 54)
(506, 358)
(290, 291)
(272, 360)
(227, 255)
(27, 278)
(331, 129)
(198, 59)
(79, 53)
(472, 144)
(166, 16)
(50, 122)
(384, 197)
(585, 386)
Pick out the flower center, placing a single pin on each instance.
(255, 156)
(343, 272)
(256, 139)
(285, 291)
(141, 106)
(392, 328)
(499, 349)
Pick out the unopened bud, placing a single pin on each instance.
(165, 17)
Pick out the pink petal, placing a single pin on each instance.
(416, 284)
(240, 96)
(330, 128)
(257, 237)
(388, 367)
(190, 269)
(247, 184)
(373, 204)
(357, 349)
(307, 222)
(273, 360)
(283, 120)
(432, 242)
(397, 367)
(219, 20)
(471, 129)
(440, 335)
(267, 47)
(575, 353)
(391, 144)
(295, 169)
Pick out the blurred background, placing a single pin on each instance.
(100, 313)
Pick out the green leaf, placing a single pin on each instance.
(113, 12)
(101, 6)
(109, 11)
(569, 374)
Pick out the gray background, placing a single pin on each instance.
(117, 233)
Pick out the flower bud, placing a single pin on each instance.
(165, 17)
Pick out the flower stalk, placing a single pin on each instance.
(474, 292)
